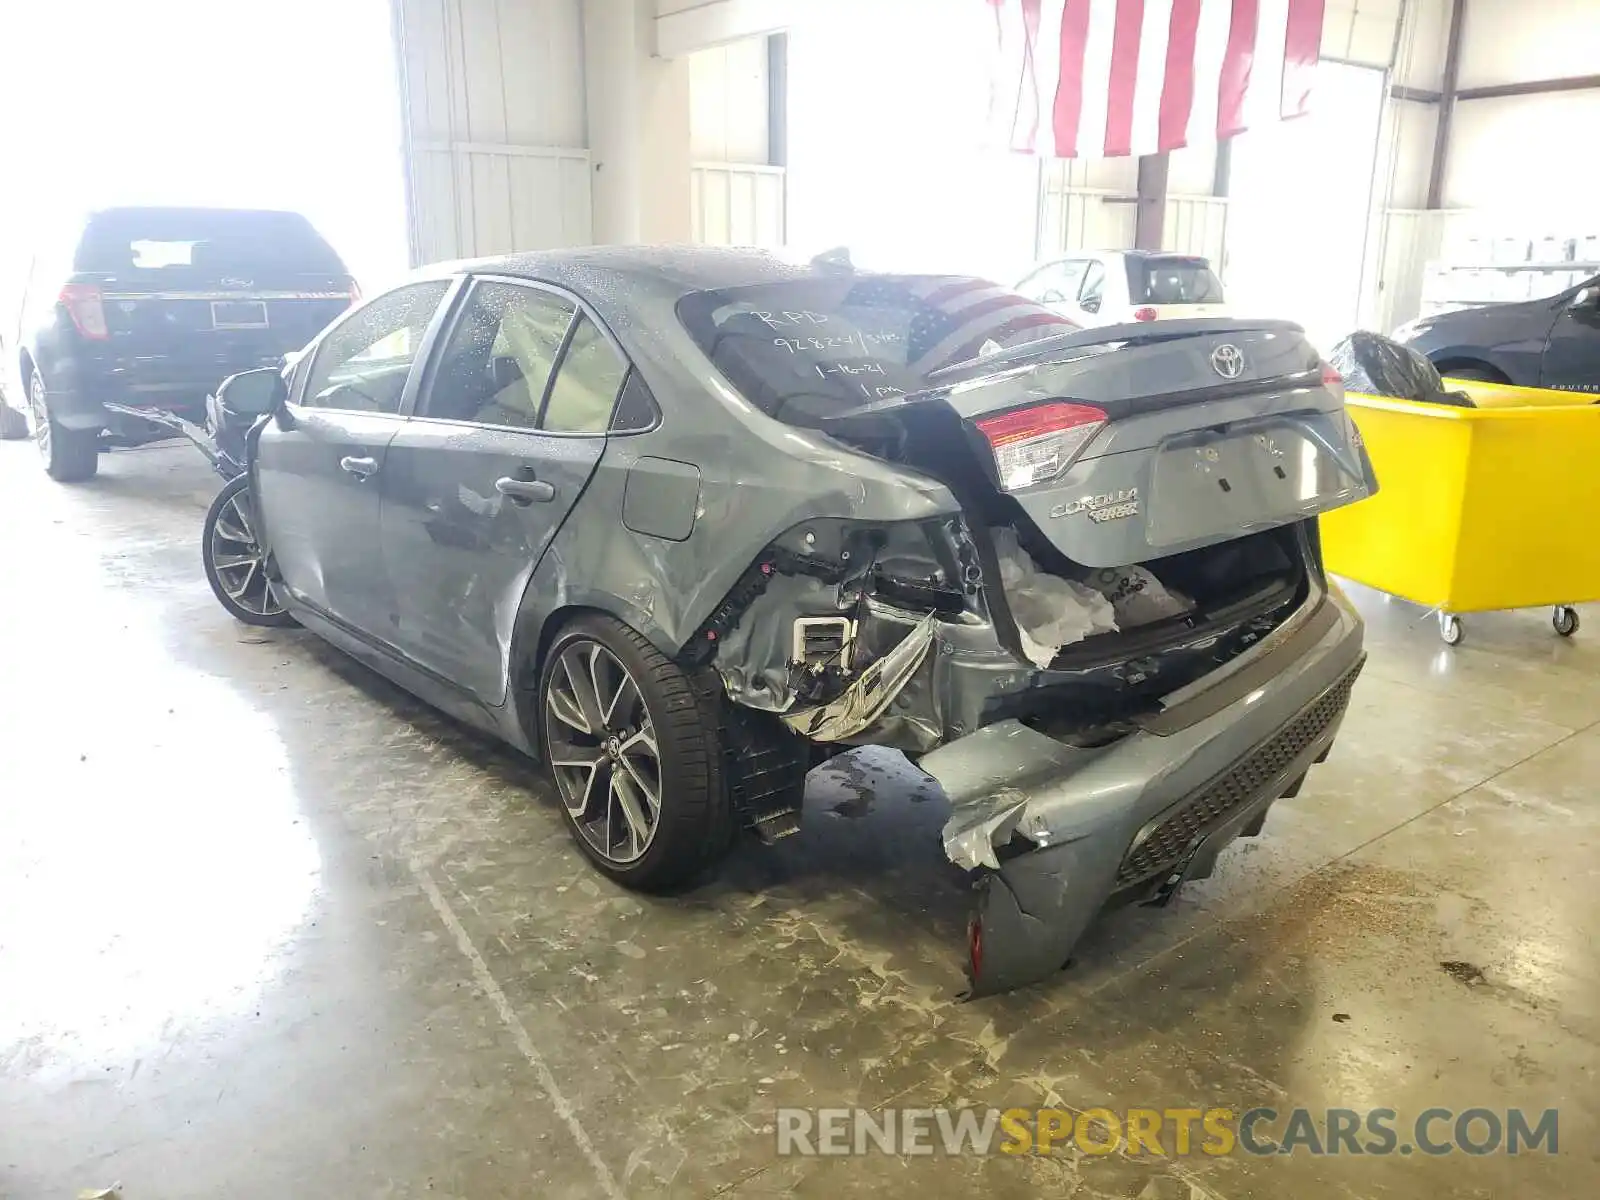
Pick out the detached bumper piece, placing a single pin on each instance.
(1172, 839)
(1093, 842)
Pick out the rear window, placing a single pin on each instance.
(202, 239)
(805, 350)
(1173, 281)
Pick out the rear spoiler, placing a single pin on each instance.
(1065, 348)
(1062, 345)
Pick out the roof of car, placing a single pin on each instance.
(667, 271)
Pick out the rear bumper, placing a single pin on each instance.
(1056, 832)
(78, 392)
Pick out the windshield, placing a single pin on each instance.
(809, 349)
(1173, 281)
(219, 239)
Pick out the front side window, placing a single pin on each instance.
(808, 349)
(499, 357)
(363, 363)
(586, 387)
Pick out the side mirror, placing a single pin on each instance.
(1090, 305)
(253, 394)
(1587, 297)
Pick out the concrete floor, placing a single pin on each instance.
(269, 928)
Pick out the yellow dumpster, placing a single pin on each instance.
(1477, 508)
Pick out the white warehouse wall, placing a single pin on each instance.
(1515, 41)
(1527, 157)
(493, 108)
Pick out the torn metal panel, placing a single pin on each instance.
(753, 657)
(866, 698)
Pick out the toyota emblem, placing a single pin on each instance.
(1228, 361)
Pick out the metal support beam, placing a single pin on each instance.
(1222, 168)
(1152, 202)
(778, 100)
(1537, 87)
(1447, 105)
(1416, 95)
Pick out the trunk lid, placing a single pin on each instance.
(1212, 430)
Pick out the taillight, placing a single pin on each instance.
(975, 947)
(1144, 314)
(84, 306)
(1332, 380)
(355, 292)
(1035, 444)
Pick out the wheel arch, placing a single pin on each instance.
(1455, 360)
(539, 622)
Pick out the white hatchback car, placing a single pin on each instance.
(1113, 286)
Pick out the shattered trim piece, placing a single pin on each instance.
(863, 701)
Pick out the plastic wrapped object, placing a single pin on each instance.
(1138, 597)
(1051, 612)
(1380, 366)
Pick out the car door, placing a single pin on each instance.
(510, 423)
(318, 470)
(1572, 355)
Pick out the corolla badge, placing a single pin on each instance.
(1108, 506)
(1227, 360)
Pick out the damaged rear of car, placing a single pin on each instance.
(1114, 647)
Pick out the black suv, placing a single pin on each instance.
(150, 309)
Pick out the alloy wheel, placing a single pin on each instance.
(41, 417)
(602, 749)
(239, 563)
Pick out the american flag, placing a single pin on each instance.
(1110, 78)
(949, 319)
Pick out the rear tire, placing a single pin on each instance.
(239, 574)
(618, 721)
(70, 455)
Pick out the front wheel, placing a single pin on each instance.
(237, 570)
(635, 757)
(1565, 620)
(70, 455)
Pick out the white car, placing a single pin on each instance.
(1110, 287)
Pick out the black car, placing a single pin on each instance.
(1549, 343)
(150, 309)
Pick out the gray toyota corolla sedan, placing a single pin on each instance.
(684, 522)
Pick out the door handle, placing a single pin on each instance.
(361, 468)
(524, 491)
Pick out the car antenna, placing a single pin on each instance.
(836, 259)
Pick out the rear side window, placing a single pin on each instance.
(363, 364)
(201, 239)
(1173, 281)
(498, 360)
(808, 349)
(586, 387)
